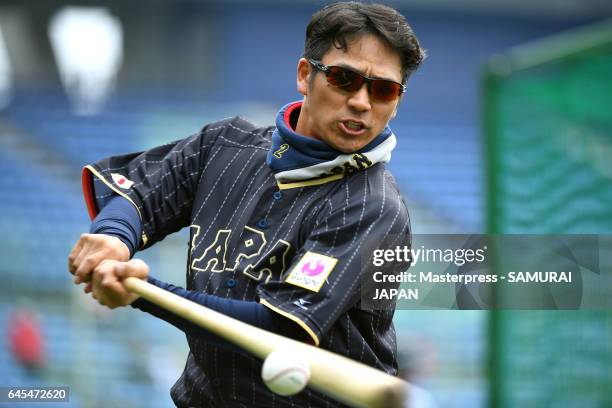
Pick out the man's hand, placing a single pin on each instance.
(90, 250)
(107, 286)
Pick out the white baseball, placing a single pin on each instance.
(285, 373)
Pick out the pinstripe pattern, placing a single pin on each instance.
(217, 182)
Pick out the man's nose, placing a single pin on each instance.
(360, 99)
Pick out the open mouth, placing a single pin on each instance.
(352, 127)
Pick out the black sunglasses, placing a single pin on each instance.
(351, 81)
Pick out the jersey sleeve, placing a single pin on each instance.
(161, 183)
(326, 277)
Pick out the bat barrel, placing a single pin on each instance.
(353, 383)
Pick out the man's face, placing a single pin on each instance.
(348, 121)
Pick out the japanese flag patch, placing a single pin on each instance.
(311, 271)
(122, 181)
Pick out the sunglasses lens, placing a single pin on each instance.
(344, 79)
(385, 90)
(350, 81)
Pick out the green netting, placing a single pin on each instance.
(548, 120)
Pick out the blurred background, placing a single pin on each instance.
(506, 128)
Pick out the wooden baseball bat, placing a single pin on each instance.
(346, 380)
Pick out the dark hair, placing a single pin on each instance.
(341, 22)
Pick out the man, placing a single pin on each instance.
(282, 218)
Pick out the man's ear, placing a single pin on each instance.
(395, 111)
(303, 72)
(397, 105)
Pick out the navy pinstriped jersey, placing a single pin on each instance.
(299, 248)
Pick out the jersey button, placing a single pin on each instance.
(230, 283)
(217, 382)
(277, 195)
(263, 223)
